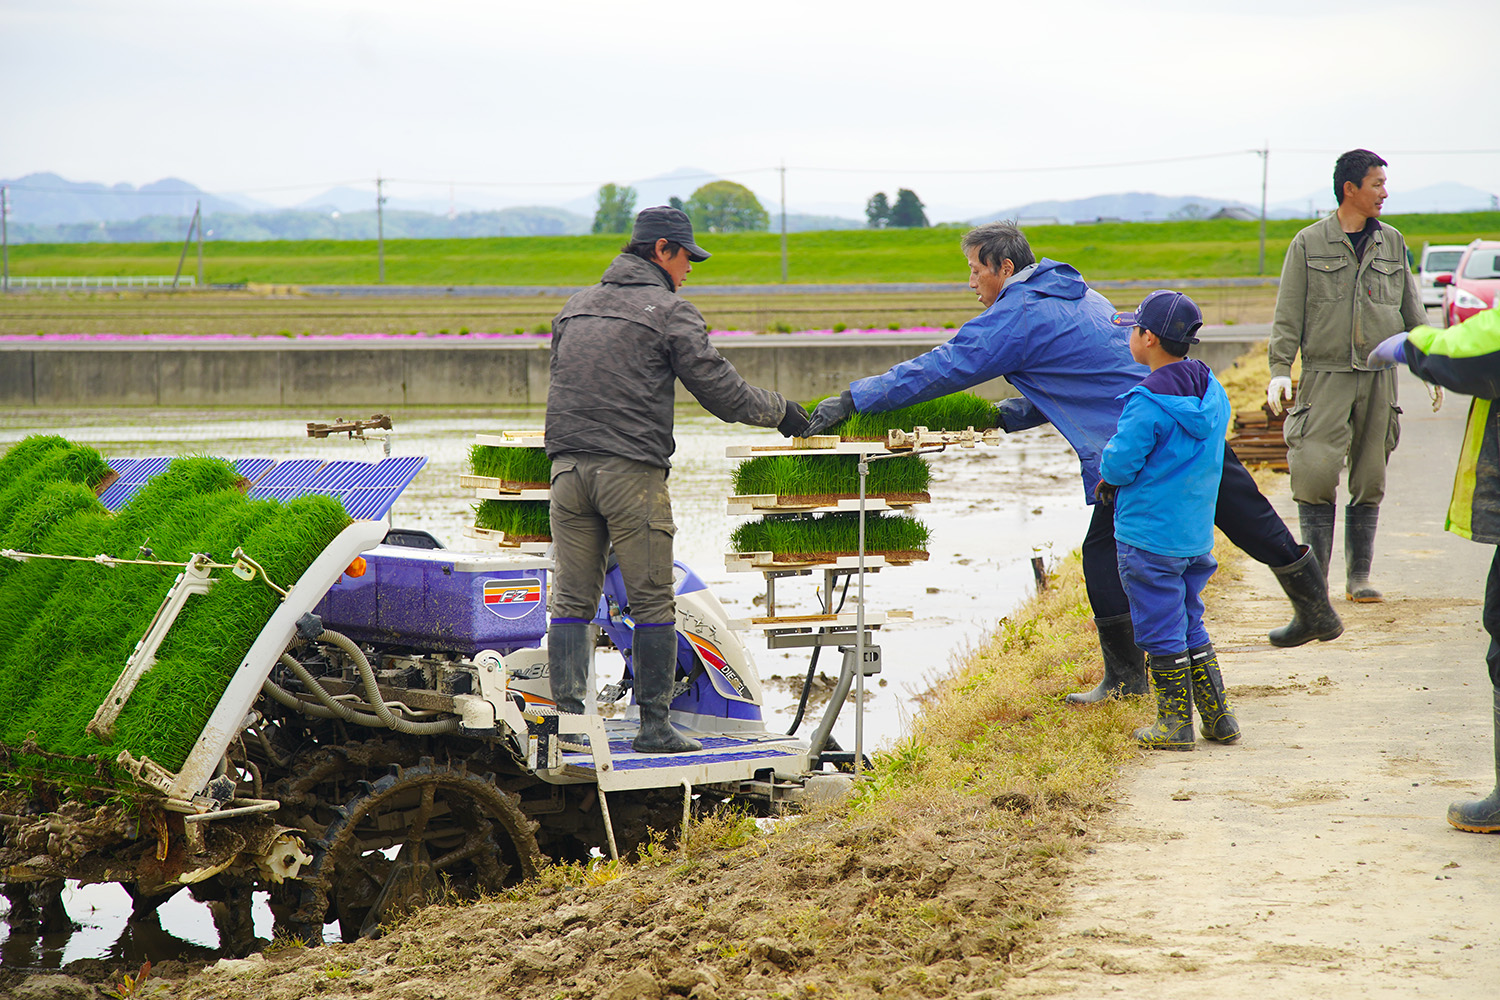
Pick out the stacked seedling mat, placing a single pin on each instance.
(510, 475)
(804, 496)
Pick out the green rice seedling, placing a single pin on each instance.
(946, 413)
(25, 453)
(67, 628)
(834, 475)
(511, 465)
(73, 464)
(529, 520)
(824, 533)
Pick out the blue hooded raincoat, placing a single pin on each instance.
(1166, 458)
(1050, 336)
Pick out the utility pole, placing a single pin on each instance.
(783, 223)
(182, 257)
(198, 213)
(380, 224)
(4, 241)
(1265, 166)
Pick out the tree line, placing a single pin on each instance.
(727, 207)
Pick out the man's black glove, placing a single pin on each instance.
(833, 410)
(794, 421)
(1105, 493)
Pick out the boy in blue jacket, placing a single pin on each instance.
(1161, 469)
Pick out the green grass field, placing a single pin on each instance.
(1199, 249)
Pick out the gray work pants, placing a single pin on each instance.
(1341, 417)
(599, 501)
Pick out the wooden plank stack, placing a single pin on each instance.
(1257, 439)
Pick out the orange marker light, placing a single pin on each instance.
(357, 567)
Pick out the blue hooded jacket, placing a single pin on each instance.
(1053, 338)
(1166, 458)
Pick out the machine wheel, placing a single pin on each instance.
(457, 833)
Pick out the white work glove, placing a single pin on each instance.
(1279, 392)
(1435, 393)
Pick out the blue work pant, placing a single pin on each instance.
(1165, 606)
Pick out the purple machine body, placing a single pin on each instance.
(442, 600)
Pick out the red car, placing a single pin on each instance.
(1474, 284)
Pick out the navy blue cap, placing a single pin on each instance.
(666, 223)
(1168, 314)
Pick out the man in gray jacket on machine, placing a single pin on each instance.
(617, 349)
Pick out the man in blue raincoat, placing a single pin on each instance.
(1054, 339)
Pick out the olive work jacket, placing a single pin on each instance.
(617, 349)
(1334, 307)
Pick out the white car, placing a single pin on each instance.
(1437, 258)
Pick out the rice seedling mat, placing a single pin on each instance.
(843, 618)
(759, 562)
(771, 503)
(511, 439)
(499, 540)
(805, 446)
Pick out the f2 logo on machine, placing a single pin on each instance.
(512, 599)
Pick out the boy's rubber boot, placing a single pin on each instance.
(1171, 675)
(1359, 552)
(568, 664)
(1215, 720)
(1316, 523)
(1124, 663)
(1482, 816)
(654, 658)
(1313, 617)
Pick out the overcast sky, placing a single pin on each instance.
(976, 106)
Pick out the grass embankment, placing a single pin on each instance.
(67, 628)
(1189, 249)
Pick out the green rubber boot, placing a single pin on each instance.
(1482, 816)
(568, 648)
(1215, 720)
(654, 659)
(1359, 553)
(1171, 676)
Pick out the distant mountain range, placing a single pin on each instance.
(47, 208)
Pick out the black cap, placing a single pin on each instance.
(664, 223)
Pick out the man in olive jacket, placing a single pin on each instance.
(617, 350)
(1345, 287)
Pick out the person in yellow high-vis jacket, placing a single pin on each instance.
(1466, 359)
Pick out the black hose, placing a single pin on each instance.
(812, 666)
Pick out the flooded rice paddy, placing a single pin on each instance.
(993, 508)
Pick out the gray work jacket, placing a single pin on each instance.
(1335, 307)
(617, 349)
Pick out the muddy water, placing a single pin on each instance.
(993, 509)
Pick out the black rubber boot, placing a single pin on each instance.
(1124, 663)
(1359, 552)
(1171, 676)
(1316, 522)
(1215, 720)
(654, 658)
(568, 664)
(1313, 616)
(1482, 816)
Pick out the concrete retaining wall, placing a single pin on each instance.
(387, 374)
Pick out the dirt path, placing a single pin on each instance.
(1312, 859)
